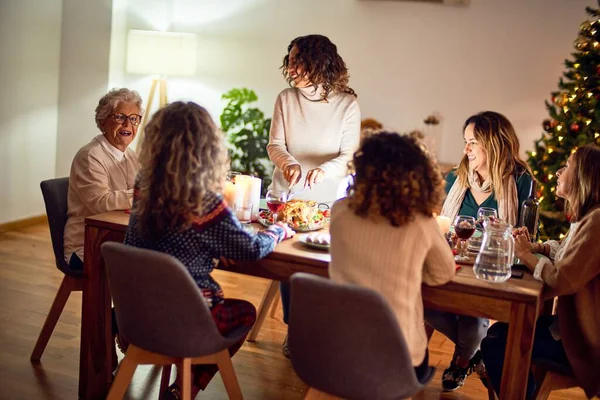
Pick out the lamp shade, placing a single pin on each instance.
(163, 53)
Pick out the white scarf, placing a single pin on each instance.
(508, 206)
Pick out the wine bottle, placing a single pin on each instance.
(530, 212)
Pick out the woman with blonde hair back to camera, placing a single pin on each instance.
(178, 209)
(490, 174)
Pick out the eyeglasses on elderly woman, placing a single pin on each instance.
(135, 119)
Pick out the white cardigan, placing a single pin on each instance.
(101, 180)
(314, 134)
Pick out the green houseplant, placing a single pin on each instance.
(247, 132)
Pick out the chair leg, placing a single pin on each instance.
(124, 374)
(314, 394)
(165, 378)
(67, 285)
(228, 375)
(545, 388)
(554, 381)
(275, 305)
(263, 309)
(185, 369)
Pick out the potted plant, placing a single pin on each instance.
(247, 132)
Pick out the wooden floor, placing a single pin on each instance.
(29, 281)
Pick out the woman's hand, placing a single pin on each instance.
(292, 174)
(522, 245)
(313, 177)
(289, 232)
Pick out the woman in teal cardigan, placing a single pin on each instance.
(490, 174)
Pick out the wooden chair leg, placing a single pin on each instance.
(275, 305)
(545, 388)
(314, 394)
(263, 309)
(228, 375)
(165, 378)
(124, 374)
(67, 285)
(185, 369)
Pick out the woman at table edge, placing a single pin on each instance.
(490, 174)
(571, 270)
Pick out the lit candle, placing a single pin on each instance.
(248, 190)
(229, 193)
(444, 223)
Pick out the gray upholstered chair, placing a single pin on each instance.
(162, 314)
(345, 341)
(55, 198)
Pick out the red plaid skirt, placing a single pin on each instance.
(228, 315)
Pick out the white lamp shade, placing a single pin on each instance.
(163, 53)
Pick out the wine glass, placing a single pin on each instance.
(484, 214)
(276, 200)
(464, 227)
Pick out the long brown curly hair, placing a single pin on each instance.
(320, 63)
(584, 186)
(501, 144)
(183, 158)
(394, 177)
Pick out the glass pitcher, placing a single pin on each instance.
(495, 256)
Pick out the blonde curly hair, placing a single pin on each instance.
(183, 158)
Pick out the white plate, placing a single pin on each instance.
(303, 238)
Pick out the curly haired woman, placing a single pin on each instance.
(315, 127)
(490, 174)
(384, 235)
(316, 123)
(178, 209)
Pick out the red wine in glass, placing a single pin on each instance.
(275, 206)
(464, 228)
(276, 200)
(464, 233)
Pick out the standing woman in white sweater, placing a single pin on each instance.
(315, 127)
(316, 122)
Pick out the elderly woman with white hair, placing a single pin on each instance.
(103, 171)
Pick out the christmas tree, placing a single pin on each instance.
(574, 121)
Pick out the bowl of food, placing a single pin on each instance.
(300, 215)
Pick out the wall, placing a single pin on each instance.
(84, 74)
(29, 61)
(406, 59)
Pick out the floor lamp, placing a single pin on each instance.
(160, 54)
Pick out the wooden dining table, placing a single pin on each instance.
(516, 301)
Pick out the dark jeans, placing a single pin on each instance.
(75, 262)
(544, 347)
(284, 288)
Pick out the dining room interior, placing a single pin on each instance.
(417, 67)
